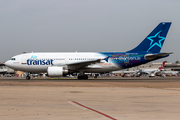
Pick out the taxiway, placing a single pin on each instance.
(100, 99)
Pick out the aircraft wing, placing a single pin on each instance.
(81, 64)
(154, 56)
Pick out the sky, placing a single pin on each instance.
(85, 25)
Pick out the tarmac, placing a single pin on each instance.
(94, 99)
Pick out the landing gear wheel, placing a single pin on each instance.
(28, 77)
(85, 77)
(82, 77)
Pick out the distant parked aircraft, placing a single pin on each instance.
(150, 71)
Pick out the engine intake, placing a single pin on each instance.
(56, 71)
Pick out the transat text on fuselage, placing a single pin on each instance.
(34, 61)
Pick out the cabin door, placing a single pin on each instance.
(24, 60)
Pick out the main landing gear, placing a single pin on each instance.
(82, 77)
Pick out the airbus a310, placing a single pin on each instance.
(57, 64)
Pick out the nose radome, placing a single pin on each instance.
(7, 63)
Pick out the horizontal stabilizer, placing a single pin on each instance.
(154, 56)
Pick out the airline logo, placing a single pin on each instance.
(156, 40)
(33, 57)
(34, 61)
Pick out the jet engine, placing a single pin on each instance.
(56, 71)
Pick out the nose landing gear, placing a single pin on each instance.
(82, 77)
(28, 77)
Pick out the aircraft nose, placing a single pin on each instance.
(7, 63)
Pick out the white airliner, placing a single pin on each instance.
(61, 64)
(149, 71)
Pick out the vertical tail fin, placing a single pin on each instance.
(162, 66)
(154, 41)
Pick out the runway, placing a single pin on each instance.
(94, 99)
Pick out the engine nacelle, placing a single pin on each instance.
(56, 71)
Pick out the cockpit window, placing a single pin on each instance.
(13, 58)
